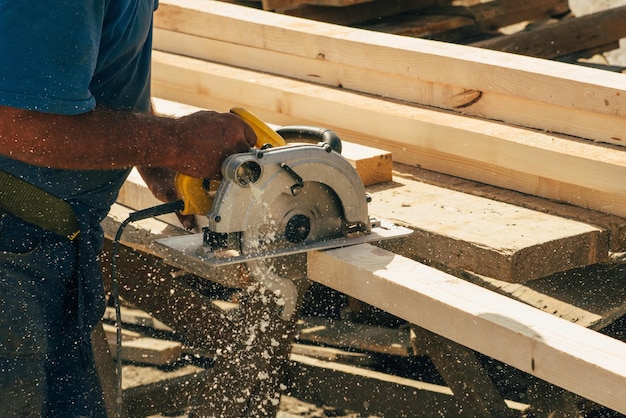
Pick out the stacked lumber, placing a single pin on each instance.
(539, 28)
(453, 228)
(515, 122)
(481, 115)
(534, 129)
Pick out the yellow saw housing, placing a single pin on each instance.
(194, 191)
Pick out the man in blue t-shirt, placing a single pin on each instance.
(74, 118)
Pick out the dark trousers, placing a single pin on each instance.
(46, 363)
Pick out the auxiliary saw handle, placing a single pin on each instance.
(194, 192)
(312, 134)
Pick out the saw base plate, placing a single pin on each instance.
(192, 246)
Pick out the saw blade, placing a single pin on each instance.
(308, 213)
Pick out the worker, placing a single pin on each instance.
(74, 119)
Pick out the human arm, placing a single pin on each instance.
(194, 145)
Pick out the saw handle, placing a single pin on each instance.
(194, 193)
(310, 134)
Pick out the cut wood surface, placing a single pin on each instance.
(535, 342)
(492, 238)
(519, 90)
(565, 169)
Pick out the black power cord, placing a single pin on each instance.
(163, 209)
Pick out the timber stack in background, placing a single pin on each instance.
(539, 28)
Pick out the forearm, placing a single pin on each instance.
(100, 139)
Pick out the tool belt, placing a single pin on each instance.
(36, 206)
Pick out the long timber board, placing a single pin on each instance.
(518, 90)
(575, 358)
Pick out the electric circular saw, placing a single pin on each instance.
(293, 193)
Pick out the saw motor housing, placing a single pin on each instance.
(286, 196)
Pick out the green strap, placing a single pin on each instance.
(36, 206)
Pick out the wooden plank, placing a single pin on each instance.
(137, 318)
(614, 225)
(519, 90)
(434, 22)
(561, 168)
(355, 336)
(533, 341)
(332, 354)
(356, 13)
(280, 4)
(491, 238)
(144, 350)
(372, 165)
(564, 37)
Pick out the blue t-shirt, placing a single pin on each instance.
(65, 57)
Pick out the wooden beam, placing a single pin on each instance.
(509, 331)
(355, 336)
(491, 238)
(144, 350)
(525, 91)
(564, 37)
(280, 4)
(539, 163)
(357, 13)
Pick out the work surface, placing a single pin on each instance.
(529, 336)
(508, 169)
